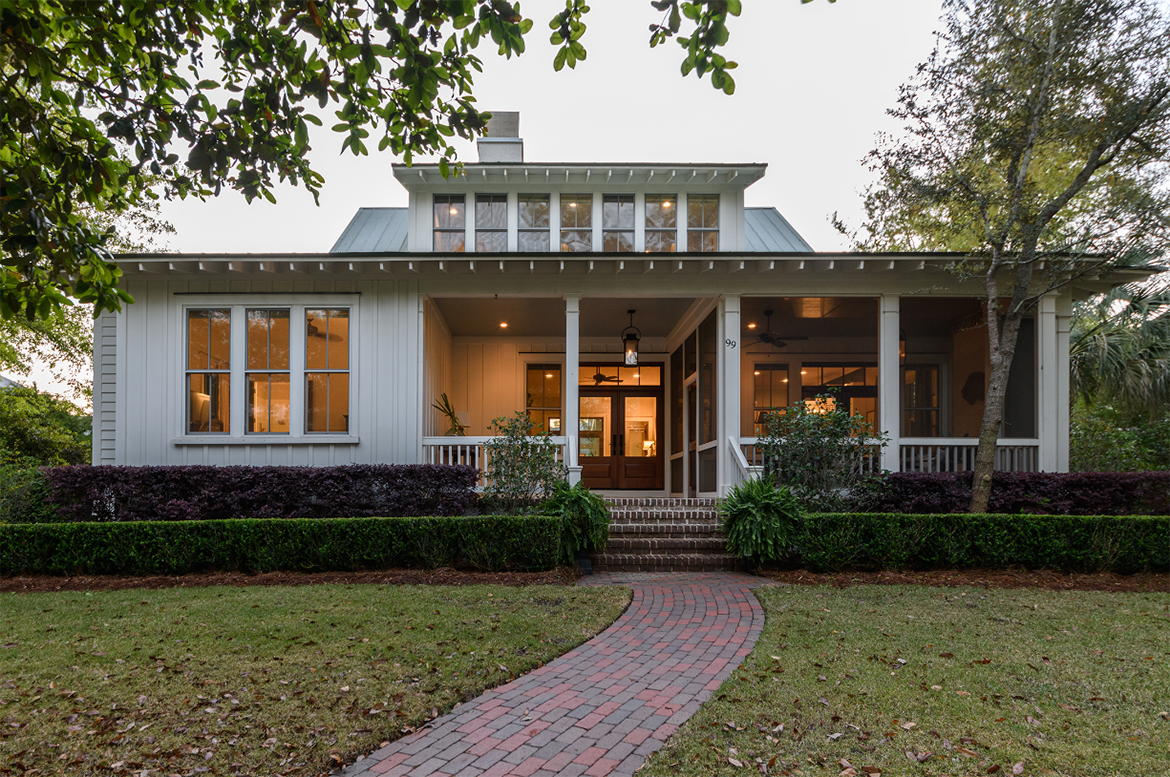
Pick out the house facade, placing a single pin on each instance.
(639, 313)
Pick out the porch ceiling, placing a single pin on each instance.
(545, 316)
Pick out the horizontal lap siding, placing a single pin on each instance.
(105, 394)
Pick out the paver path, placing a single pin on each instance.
(604, 707)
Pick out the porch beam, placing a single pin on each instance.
(889, 378)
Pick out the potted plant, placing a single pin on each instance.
(444, 406)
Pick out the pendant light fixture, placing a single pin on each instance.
(630, 337)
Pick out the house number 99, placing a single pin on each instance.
(729, 343)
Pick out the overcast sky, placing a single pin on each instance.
(813, 84)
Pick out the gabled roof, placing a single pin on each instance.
(767, 230)
(383, 231)
(373, 230)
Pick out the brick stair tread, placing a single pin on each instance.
(643, 527)
(664, 518)
(622, 544)
(657, 562)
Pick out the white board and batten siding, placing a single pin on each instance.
(140, 398)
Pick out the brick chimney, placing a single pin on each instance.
(502, 142)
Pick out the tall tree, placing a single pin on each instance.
(1037, 138)
(207, 94)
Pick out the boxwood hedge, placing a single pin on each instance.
(263, 545)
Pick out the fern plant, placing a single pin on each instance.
(584, 519)
(760, 520)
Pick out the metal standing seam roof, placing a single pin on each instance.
(767, 230)
(375, 231)
(384, 230)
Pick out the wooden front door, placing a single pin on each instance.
(620, 438)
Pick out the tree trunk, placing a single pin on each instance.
(1002, 349)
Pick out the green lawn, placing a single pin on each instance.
(261, 680)
(912, 680)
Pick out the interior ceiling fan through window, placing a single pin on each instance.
(774, 339)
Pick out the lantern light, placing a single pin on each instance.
(630, 337)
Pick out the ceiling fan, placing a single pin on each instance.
(768, 337)
(600, 378)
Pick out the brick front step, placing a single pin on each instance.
(657, 542)
(658, 562)
(657, 534)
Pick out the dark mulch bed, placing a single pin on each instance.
(1142, 582)
(444, 576)
(1148, 582)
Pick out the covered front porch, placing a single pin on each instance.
(684, 419)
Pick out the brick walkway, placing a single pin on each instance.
(604, 707)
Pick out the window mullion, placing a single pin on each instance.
(296, 366)
(239, 355)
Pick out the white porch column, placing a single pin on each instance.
(1048, 389)
(728, 392)
(1063, 380)
(572, 423)
(889, 378)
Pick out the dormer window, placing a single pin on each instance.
(703, 222)
(617, 223)
(576, 223)
(491, 222)
(534, 222)
(450, 222)
(661, 223)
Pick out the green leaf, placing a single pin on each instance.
(559, 59)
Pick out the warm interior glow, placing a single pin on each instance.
(503, 325)
(784, 380)
(757, 372)
(548, 375)
(804, 372)
(666, 203)
(454, 210)
(572, 204)
(751, 326)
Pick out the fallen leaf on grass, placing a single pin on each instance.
(909, 725)
(733, 762)
(1018, 768)
(965, 751)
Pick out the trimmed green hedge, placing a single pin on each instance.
(288, 544)
(1125, 544)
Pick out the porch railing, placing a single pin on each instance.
(868, 458)
(957, 454)
(741, 469)
(472, 452)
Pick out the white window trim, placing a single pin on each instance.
(239, 303)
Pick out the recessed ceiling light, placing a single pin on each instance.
(548, 375)
(757, 372)
(503, 325)
(751, 326)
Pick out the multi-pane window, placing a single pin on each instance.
(267, 371)
(491, 222)
(617, 222)
(576, 222)
(209, 344)
(770, 393)
(450, 222)
(920, 398)
(661, 222)
(326, 370)
(534, 222)
(703, 222)
(544, 398)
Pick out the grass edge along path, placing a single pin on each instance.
(907, 680)
(262, 680)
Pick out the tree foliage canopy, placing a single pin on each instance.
(207, 94)
(1037, 140)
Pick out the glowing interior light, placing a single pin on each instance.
(757, 372)
(548, 375)
(454, 210)
(751, 326)
(666, 203)
(503, 325)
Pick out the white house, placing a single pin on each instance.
(510, 288)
